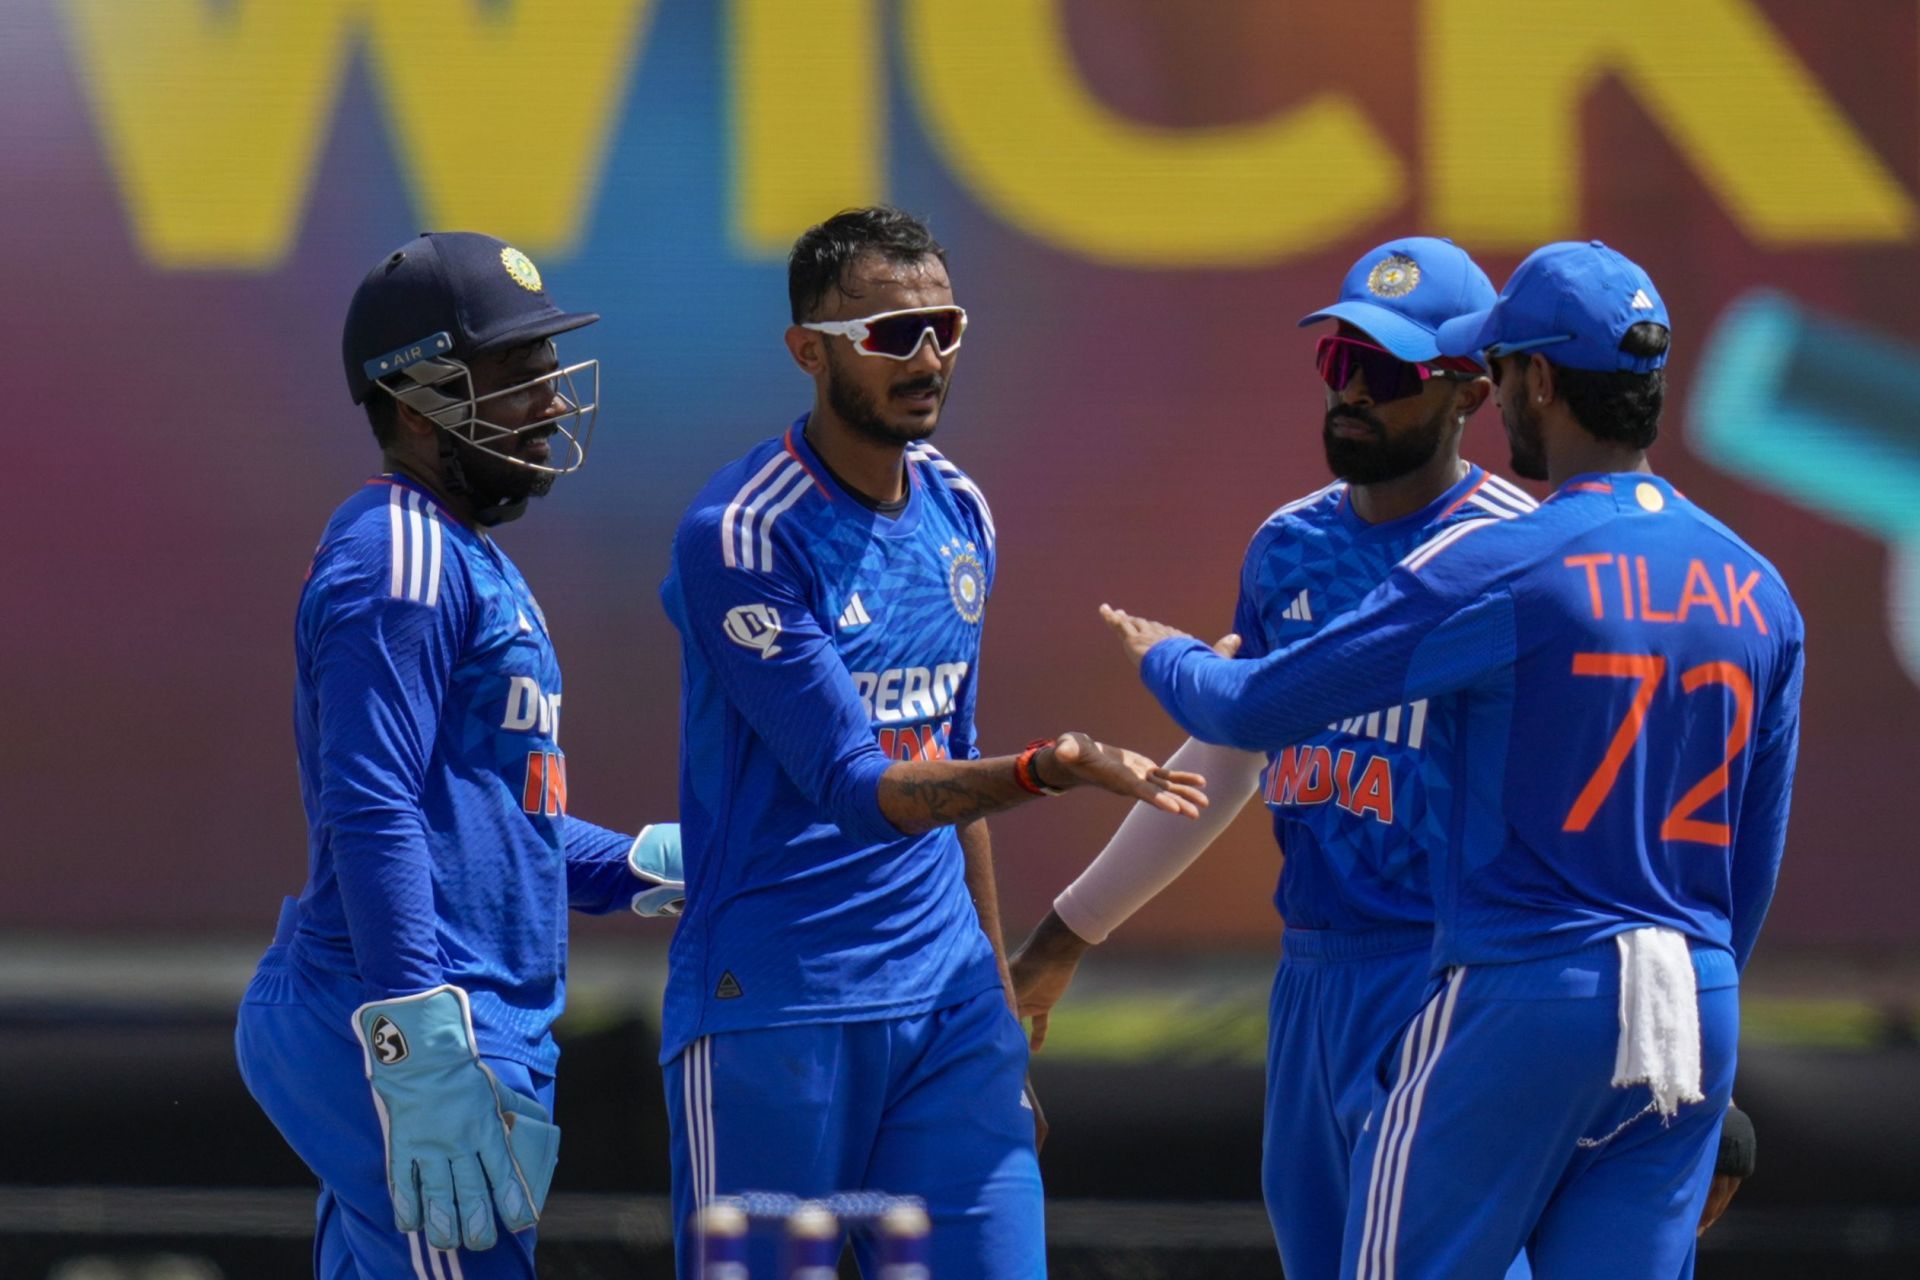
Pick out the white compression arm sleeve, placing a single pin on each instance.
(1152, 847)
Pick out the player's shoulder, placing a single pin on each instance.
(1309, 511)
(1303, 517)
(388, 540)
(1479, 545)
(1485, 496)
(942, 475)
(731, 523)
(1711, 526)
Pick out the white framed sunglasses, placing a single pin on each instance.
(897, 335)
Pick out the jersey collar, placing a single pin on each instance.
(1440, 507)
(897, 525)
(1634, 488)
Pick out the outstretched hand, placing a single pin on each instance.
(1137, 635)
(1125, 773)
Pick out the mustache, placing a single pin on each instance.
(1354, 414)
(931, 382)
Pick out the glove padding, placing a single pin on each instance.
(1736, 1144)
(654, 860)
(460, 1145)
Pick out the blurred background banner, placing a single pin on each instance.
(1140, 199)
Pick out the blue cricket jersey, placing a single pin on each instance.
(427, 719)
(822, 641)
(1626, 677)
(1358, 807)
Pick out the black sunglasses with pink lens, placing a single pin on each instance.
(1388, 376)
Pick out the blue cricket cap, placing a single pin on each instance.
(1573, 302)
(448, 293)
(1403, 291)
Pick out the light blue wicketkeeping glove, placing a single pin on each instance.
(451, 1161)
(655, 860)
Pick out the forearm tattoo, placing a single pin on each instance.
(948, 798)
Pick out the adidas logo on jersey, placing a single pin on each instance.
(855, 615)
(1299, 610)
(729, 988)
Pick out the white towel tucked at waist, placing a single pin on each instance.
(1659, 1018)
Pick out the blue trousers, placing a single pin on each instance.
(931, 1106)
(301, 1062)
(1495, 1125)
(1340, 1001)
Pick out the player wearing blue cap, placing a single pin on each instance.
(836, 1012)
(1353, 808)
(1625, 676)
(426, 956)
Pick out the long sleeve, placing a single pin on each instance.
(778, 667)
(1153, 848)
(598, 877)
(1761, 837)
(381, 665)
(1410, 638)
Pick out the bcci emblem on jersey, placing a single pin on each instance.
(966, 581)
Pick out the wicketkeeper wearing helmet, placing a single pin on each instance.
(399, 1029)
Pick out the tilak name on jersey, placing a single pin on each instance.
(1696, 594)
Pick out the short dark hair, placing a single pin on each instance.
(823, 253)
(1619, 406)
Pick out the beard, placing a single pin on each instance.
(495, 485)
(862, 412)
(1526, 440)
(1379, 456)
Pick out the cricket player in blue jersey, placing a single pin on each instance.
(1624, 675)
(837, 1012)
(399, 1030)
(1350, 804)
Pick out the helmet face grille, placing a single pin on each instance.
(442, 391)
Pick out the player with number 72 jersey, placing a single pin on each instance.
(1626, 673)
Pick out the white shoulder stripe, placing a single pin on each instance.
(433, 561)
(766, 525)
(1310, 499)
(1507, 489)
(749, 513)
(736, 507)
(1496, 506)
(416, 547)
(396, 533)
(1421, 555)
(960, 481)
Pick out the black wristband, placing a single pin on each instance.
(1736, 1144)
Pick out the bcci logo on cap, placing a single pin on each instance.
(1394, 276)
(389, 1046)
(521, 268)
